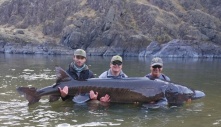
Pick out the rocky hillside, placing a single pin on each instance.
(170, 28)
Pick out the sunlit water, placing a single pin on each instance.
(38, 71)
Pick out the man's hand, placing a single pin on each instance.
(64, 91)
(93, 95)
(106, 98)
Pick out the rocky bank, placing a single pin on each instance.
(171, 28)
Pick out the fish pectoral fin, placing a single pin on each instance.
(160, 104)
(151, 106)
(81, 98)
(53, 98)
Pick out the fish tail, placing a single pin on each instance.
(30, 94)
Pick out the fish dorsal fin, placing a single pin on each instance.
(62, 75)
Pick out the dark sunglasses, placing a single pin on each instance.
(80, 57)
(117, 63)
(156, 66)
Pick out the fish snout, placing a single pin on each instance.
(198, 94)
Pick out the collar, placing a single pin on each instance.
(110, 73)
(78, 69)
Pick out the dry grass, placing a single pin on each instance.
(83, 2)
(176, 3)
(145, 2)
(31, 34)
(2, 1)
(86, 13)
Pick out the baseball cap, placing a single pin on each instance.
(80, 52)
(157, 61)
(117, 57)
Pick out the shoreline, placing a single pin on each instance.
(173, 49)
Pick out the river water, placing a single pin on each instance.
(38, 71)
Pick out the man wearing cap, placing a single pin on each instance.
(156, 69)
(115, 71)
(78, 70)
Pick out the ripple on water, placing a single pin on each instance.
(217, 122)
(38, 76)
(92, 124)
(45, 74)
(28, 70)
(10, 77)
(10, 112)
(47, 70)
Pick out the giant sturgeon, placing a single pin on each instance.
(126, 90)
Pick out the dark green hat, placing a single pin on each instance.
(117, 57)
(157, 61)
(80, 52)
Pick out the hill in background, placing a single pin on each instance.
(174, 28)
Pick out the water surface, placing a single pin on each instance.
(38, 71)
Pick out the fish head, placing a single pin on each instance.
(177, 95)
